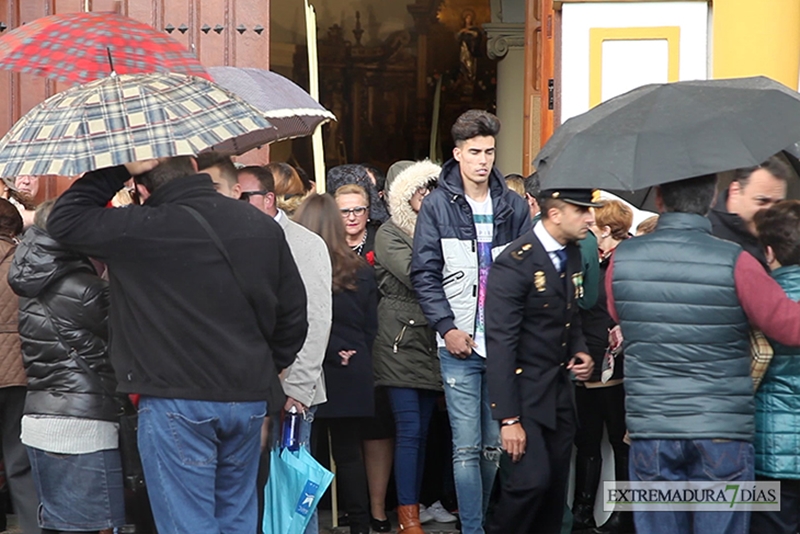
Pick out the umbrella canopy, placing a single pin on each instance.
(128, 118)
(80, 47)
(287, 106)
(666, 132)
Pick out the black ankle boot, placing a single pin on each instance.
(587, 477)
(619, 522)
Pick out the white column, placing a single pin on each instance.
(506, 42)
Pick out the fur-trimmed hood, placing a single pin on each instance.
(403, 188)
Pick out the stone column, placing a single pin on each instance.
(506, 43)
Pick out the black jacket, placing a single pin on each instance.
(731, 227)
(351, 388)
(444, 265)
(45, 273)
(533, 329)
(181, 327)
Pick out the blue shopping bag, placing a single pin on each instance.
(295, 486)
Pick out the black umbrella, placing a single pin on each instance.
(666, 132)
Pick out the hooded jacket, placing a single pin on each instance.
(45, 273)
(444, 266)
(405, 348)
(778, 401)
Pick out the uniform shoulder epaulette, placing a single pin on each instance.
(521, 252)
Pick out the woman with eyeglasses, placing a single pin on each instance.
(357, 174)
(353, 203)
(348, 359)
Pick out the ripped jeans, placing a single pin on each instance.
(476, 436)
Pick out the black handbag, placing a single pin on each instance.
(132, 470)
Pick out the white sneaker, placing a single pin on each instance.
(440, 514)
(425, 516)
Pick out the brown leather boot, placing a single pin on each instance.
(408, 517)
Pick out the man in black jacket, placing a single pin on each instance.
(185, 336)
(462, 225)
(752, 189)
(534, 340)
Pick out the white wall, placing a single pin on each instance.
(629, 62)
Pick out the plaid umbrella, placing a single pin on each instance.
(80, 47)
(287, 106)
(128, 118)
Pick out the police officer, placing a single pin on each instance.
(534, 343)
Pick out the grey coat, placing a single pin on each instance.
(304, 380)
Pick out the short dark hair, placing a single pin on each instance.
(774, 165)
(533, 185)
(691, 195)
(779, 227)
(263, 175)
(475, 123)
(42, 213)
(166, 171)
(10, 219)
(223, 162)
(548, 203)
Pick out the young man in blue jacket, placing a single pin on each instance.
(462, 226)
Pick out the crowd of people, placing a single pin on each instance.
(211, 298)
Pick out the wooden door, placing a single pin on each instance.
(219, 32)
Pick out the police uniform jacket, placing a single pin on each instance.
(532, 329)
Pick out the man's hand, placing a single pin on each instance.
(140, 167)
(582, 366)
(299, 406)
(345, 355)
(513, 440)
(459, 343)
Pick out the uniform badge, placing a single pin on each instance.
(518, 254)
(539, 281)
(577, 282)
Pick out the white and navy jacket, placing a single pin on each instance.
(444, 266)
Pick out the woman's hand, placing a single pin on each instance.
(345, 355)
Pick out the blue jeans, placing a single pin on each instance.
(476, 436)
(81, 492)
(687, 459)
(200, 461)
(412, 410)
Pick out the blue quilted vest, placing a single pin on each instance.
(687, 360)
(777, 440)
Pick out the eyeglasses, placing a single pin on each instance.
(358, 211)
(245, 195)
(422, 191)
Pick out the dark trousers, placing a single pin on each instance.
(18, 467)
(412, 410)
(598, 408)
(533, 497)
(351, 475)
(785, 521)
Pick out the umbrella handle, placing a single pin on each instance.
(110, 60)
